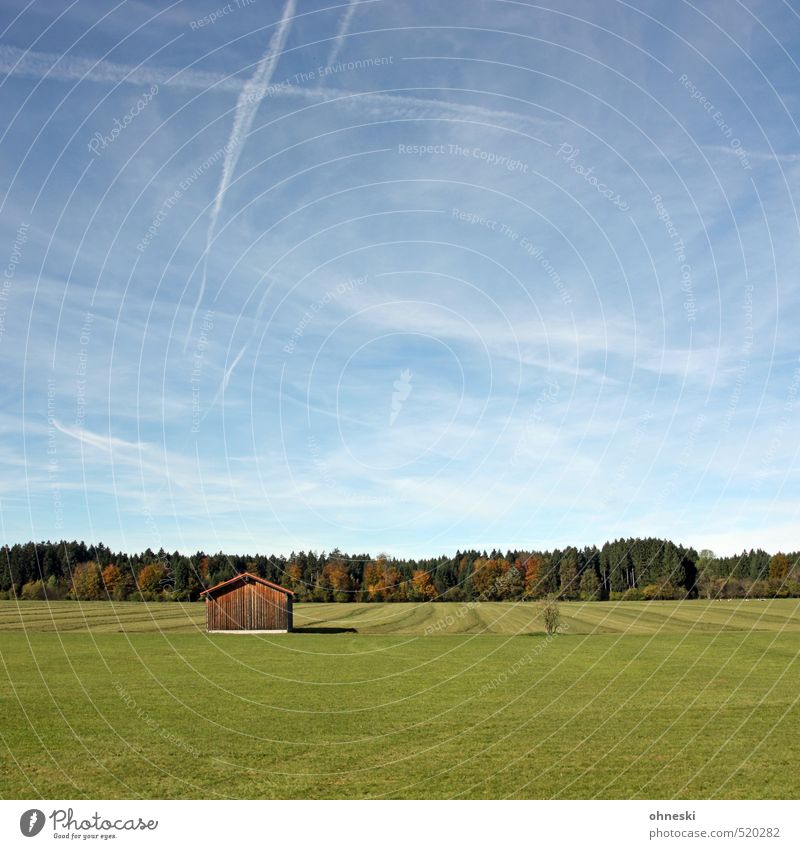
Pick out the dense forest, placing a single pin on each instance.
(626, 569)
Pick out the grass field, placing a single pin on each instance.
(651, 700)
(651, 617)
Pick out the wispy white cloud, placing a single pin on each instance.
(147, 471)
(742, 153)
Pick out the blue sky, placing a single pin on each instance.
(399, 276)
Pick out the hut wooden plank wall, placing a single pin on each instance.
(247, 604)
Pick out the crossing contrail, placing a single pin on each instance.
(341, 33)
(250, 96)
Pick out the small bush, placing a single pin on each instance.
(33, 591)
(146, 595)
(662, 592)
(121, 593)
(793, 588)
(180, 595)
(758, 589)
(551, 615)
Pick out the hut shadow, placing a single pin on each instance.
(315, 630)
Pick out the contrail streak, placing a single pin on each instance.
(251, 94)
(36, 65)
(227, 376)
(344, 27)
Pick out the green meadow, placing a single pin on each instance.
(633, 700)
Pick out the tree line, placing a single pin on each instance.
(625, 569)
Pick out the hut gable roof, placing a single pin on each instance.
(244, 577)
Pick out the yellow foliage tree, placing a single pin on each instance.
(150, 578)
(87, 582)
(422, 585)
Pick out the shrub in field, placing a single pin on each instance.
(733, 588)
(727, 587)
(33, 591)
(778, 589)
(758, 589)
(146, 595)
(121, 592)
(665, 591)
(54, 590)
(550, 614)
(178, 595)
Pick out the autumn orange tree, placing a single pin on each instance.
(294, 573)
(117, 582)
(485, 576)
(537, 584)
(382, 581)
(511, 583)
(337, 576)
(150, 580)
(422, 588)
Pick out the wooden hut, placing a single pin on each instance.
(247, 604)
